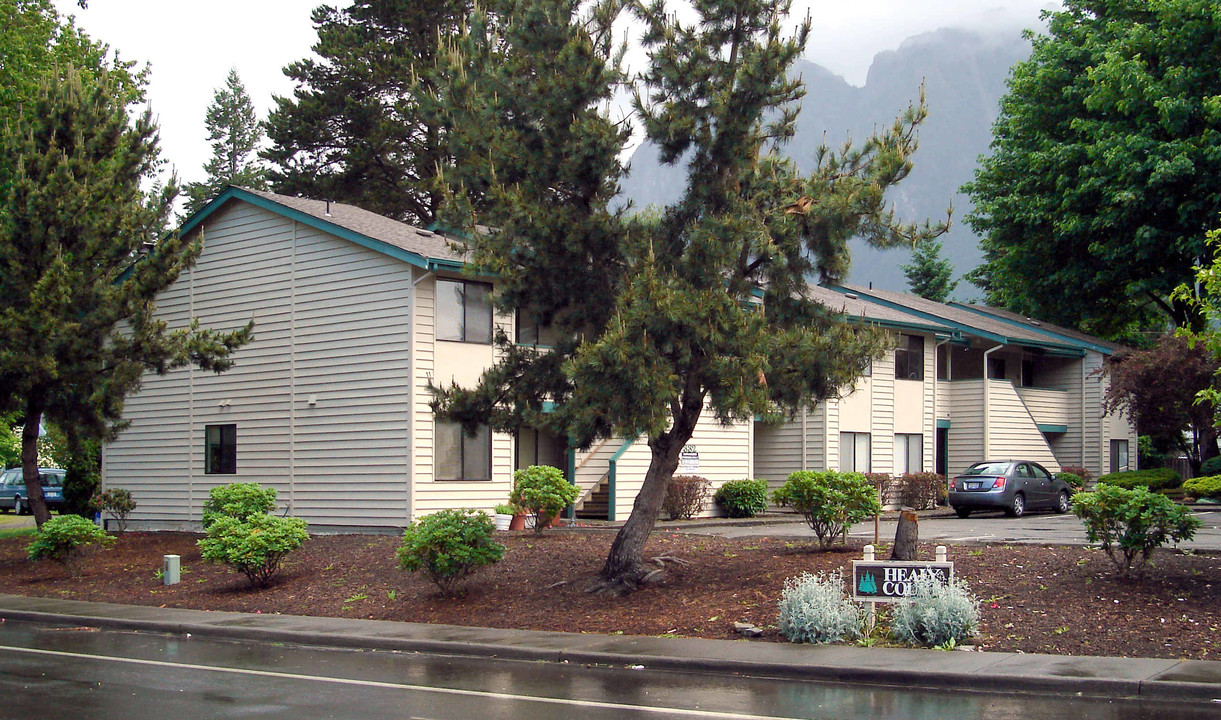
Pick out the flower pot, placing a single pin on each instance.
(518, 522)
(502, 521)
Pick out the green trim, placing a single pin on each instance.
(1052, 348)
(1036, 328)
(317, 223)
(1049, 428)
(611, 477)
(943, 424)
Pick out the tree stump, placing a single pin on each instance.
(907, 534)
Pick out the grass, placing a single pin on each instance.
(15, 532)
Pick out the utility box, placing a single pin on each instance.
(171, 571)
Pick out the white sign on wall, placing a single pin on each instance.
(688, 460)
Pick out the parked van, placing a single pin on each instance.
(14, 497)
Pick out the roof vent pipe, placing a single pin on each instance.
(328, 208)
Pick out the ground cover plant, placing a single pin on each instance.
(1156, 479)
(1034, 599)
(814, 609)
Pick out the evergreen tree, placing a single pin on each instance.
(359, 128)
(1104, 173)
(76, 292)
(235, 132)
(929, 275)
(701, 309)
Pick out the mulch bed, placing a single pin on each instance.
(1061, 600)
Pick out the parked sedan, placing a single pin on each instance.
(13, 495)
(1013, 486)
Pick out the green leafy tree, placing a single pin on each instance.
(10, 442)
(76, 290)
(235, 132)
(1104, 173)
(929, 275)
(701, 308)
(360, 128)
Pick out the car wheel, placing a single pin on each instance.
(1017, 506)
(963, 512)
(1063, 503)
(17, 509)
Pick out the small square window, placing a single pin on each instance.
(909, 358)
(220, 449)
(460, 456)
(854, 452)
(464, 311)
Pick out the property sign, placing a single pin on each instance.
(888, 581)
(688, 460)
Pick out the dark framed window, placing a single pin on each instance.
(909, 453)
(909, 358)
(1119, 455)
(854, 452)
(459, 456)
(220, 449)
(996, 368)
(464, 311)
(1027, 372)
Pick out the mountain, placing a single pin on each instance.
(964, 74)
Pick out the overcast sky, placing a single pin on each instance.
(191, 46)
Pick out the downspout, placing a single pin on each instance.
(988, 405)
(936, 365)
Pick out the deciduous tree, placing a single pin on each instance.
(1104, 172)
(75, 304)
(702, 308)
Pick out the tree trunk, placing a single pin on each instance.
(625, 569)
(907, 534)
(29, 464)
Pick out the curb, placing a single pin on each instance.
(1110, 678)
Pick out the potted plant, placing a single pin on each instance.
(543, 492)
(504, 516)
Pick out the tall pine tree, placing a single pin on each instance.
(81, 262)
(929, 275)
(235, 132)
(703, 308)
(358, 129)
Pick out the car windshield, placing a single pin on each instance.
(988, 468)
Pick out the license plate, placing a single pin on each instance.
(972, 486)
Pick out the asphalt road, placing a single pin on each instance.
(49, 672)
(1037, 528)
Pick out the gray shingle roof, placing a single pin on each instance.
(1023, 320)
(377, 227)
(862, 307)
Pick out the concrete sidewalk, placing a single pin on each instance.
(1170, 680)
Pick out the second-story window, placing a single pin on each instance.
(464, 311)
(909, 358)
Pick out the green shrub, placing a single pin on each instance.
(116, 501)
(813, 609)
(829, 501)
(238, 501)
(742, 498)
(922, 490)
(1211, 466)
(255, 546)
(1147, 454)
(542, 491)
(1204, 487)
(1130, 524)
(66, 539)
(1156, 479)
(685, 496)
(1075, 481)
(449, 545)
(1086, 476)
(937, 613)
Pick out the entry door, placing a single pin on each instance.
(941, 451)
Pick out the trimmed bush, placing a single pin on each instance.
(542, 491)
(1204, 487)
(238, 501)
(67, 539)
(685, 496)
(115, 501)
(449, 546)
(922, 490)
(829, 501)
(937, 613)
(254, 546)
(813, 609)
(1076, 482)
(742, 498)
(1156, 479)
(1086, 476)
(1211, 466)
(1131, 524)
